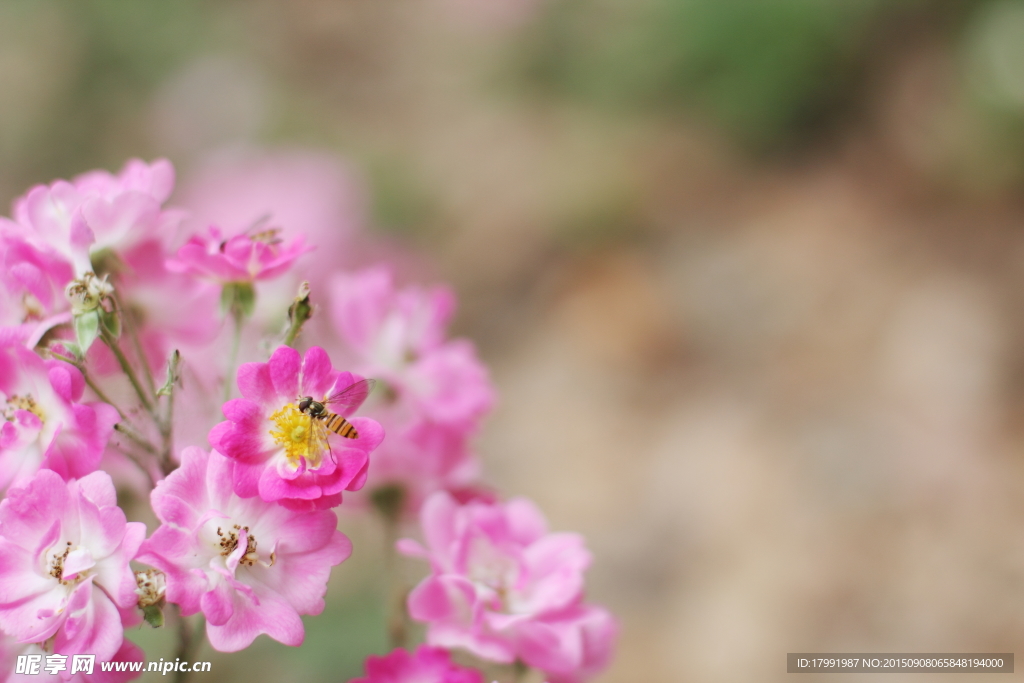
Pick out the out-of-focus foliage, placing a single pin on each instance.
(87, 69)
(769, 72)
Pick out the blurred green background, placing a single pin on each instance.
(748, 274)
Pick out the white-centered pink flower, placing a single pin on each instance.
(98, 211)
(45, 424)
(505, 588)
(250, 566)
(65, 580)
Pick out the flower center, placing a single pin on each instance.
(229, 542)
(491, 570)
(26, 402)
(69, 565)
(295, 432)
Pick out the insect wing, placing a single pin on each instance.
(316, 440)
(348, 400)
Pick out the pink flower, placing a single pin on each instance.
(252, 567)
(269, 442)
(427, 665)
(438, 389)
(307, 194)
(45, 424)
(504, 588)
(423, 458)
(247, 257)
(399, 336)
(175, 311)
(98, 211)
(33, 282)
(64, 573)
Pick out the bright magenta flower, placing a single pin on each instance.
(504, 588)
(247, 257)
(426, 665)
(250, 566)
(64, 574)
(46, 426)
(268, 439)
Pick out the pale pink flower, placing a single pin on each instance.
(32, 282)
(244, 258)
(426, 665)
(177, 311)
(250, 566)
(98, 211)
(46, 425)
(268, 438)
(436, 390)
(400, 337)
(505, 588)
(64, 573)
(423, 458)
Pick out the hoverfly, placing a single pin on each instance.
(345, 402)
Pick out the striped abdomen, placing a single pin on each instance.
(340, 426)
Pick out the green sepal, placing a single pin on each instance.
(111, 322)
(87, 328)
(153, 615)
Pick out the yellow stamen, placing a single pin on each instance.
(26, 402)
(292, 434)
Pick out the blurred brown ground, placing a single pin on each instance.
(782, 399)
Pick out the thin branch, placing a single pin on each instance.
(236, 342)
(138, 440)
(189, 640)
(122, 360)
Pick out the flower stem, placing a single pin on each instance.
(122, 360)
(238, 317)
(396, 594)
(139, 441)
(189, 640)
(129, 324)
(101, 395)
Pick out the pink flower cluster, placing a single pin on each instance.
(437, 391)
(153, 349)
(505, 589)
